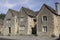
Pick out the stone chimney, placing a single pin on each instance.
(56, 5)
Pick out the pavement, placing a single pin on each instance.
(25, 38)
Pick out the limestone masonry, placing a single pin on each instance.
(45, 22)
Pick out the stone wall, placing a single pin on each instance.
(49, 23)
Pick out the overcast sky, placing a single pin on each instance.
(31, 4)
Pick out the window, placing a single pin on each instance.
(22, 28)
(44, 29)
(0, 32)
(44, 18)
(35, 20)
(9, 29)
(8, 20)
(21, 18)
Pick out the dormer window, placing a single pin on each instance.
(44, 18)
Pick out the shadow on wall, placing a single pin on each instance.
(58, 38)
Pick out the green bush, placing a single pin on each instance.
(2, 16)
(53, 35)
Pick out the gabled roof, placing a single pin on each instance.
(29, 12)
(51, 9)
(13, 12)
(34, 14)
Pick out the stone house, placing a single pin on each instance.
(47, 21)
(44, 22)
(2, 16)
(1, 26)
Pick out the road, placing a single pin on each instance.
(25, 38)
(5, 39)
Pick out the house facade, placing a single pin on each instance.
(45, 22)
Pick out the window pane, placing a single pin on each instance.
(21, 18)
(22, 28)
(8, 21)
(44, 29)
(9, 29)
(45, 18)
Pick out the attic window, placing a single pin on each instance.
(44, 18)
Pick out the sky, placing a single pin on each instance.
(34, 5)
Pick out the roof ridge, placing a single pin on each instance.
(26, 8)
(12, 10)
(50, 8)
(28, 11)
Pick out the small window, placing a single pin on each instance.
(44, 29)
(8, 21)
(21, 18)
(0, 32)
(44, 18)
(35, 20)
(22, 28)
(9, 29)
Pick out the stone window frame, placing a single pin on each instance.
(23, 28)
(46, 18)
(44, 28)
(9, 29)
(21, 19)
(8, 20)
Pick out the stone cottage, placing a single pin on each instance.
(45, 22)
